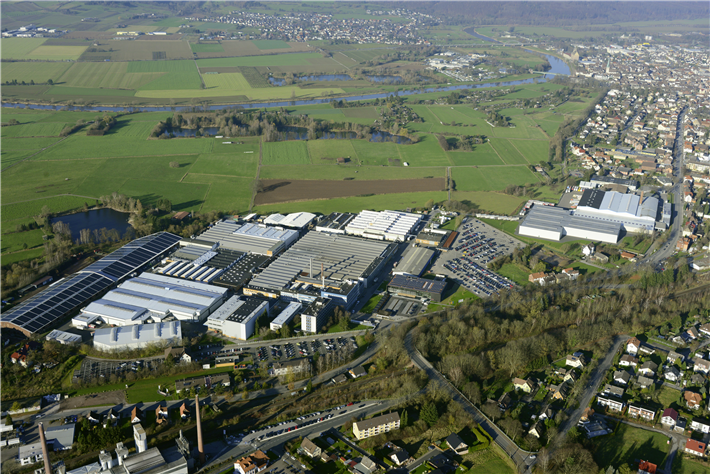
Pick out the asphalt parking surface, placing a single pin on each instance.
(476, 245)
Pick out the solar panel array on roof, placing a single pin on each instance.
(69, 293)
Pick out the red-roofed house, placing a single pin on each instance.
(646, 467)
(695, 447)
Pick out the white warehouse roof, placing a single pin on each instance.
(296, 220)
(139, 335)
(156, 296)
(255, 238)
(390, 225)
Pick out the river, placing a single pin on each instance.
(558, 67)
(96, 219)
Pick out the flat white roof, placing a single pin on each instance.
(227, 309)
(288, 313)
(140, 333)
(296, 219)
(384, 222)
(63, 336)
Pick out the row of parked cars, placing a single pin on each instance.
(478, 247)
(476, 277)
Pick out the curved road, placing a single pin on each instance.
(520, 457)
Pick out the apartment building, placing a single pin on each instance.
(374, 426)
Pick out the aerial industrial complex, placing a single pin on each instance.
(596, 215)
(287, 267)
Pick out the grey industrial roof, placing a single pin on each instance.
(237, 309)
(240, 273)
(336, 221)
(62, 436)
(294, 220)
(414, 260)
(248, 237)
(417, 284)
(138, 333)
(286, 315)
(69, 293)
(67, 337)
(343, 257)
(555, 219)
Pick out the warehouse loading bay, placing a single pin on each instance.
(475, 246)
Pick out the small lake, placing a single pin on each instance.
(316, 77)
(96, 219)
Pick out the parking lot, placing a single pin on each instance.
(398, 306)
(280, 352)
(476, 245)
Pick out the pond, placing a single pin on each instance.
(316, 77)
(96, 219)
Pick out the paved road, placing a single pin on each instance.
(520, 457)
(423, 459)
(592, 387)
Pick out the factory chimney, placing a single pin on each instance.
(200, 446)
(45, 451)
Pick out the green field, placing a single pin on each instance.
(427, 152)
(19, 212)
(259, 61)
(508, 152)
(628, 444)
(482, 155)
(227, 164)
(514, 273)
(31, 71)
(32, 130)
(286, 153)
(179, 75)
(534, 151)
(270, 44)
(327, 151)
(19, 48)
(206, 47)
(106, 75)
(491, 178)
(224, 193)
(56, 53)
(498, 203)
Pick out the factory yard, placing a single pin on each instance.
(476, 245)
(278, 190)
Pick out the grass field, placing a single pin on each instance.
(286, 153)
(234, 83)
(56, 53)
(491, 178)
(509, 154)
(14, 241)
(490, 201)
(482, 155)
(33, 130)
(534, 151)
(515, 273)
(327, 151)
(270, 44)
(29, 254)
(628, 444)
(224, 193)
(227, 164)
(258, 61)
(179, 75)
(206, 47)
(376, 154)
(20, 211)
(19, 48)
(30, 71)
(427, 152)
(106, 75)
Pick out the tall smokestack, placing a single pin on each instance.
(45, 451)
(200, 446)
